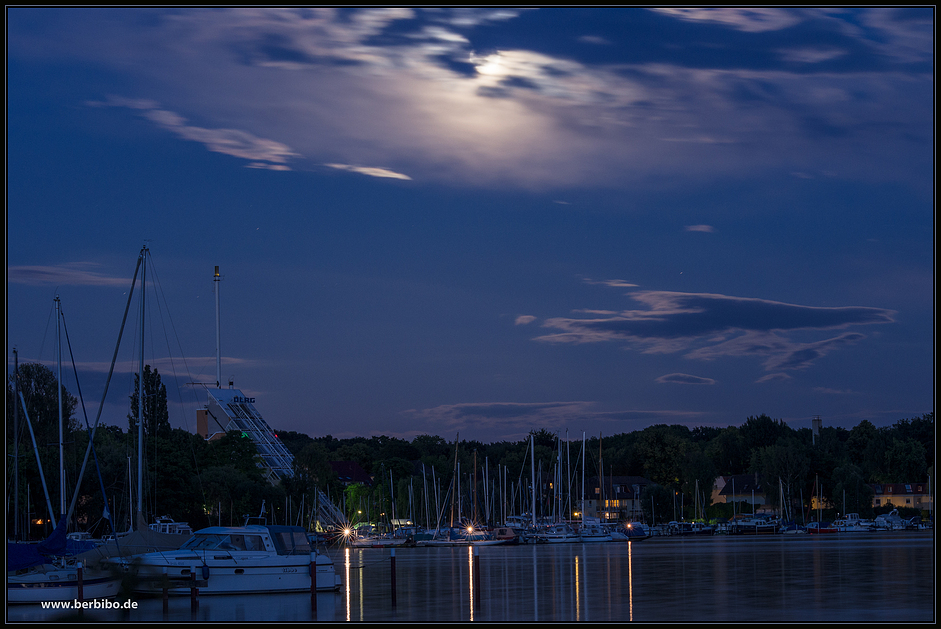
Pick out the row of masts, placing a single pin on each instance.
(494, 499)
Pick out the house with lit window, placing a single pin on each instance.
(914, 495)
(741, 488)
(616, 499)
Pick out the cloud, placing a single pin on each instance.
(74, 274)
(524, 319)
(749, 20)
(683, 378)
(771, 377)
(612, 283)
(829, 391)
(370, 171)
(707, 326)
(485, 417)
(440, 95)
(263, 153)
(701, 228)
(502, 414)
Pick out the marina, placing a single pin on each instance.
(864, 577)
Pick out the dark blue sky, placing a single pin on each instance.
(483, 221)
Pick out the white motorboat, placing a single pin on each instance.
(556, 534)
(235, 560)
(594, 533)
(852, 523)
(889, 521)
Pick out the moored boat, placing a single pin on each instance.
(852, 523)
(753, 525)
(235, 560)
(556, 534)
(821, 528)
(594, 533)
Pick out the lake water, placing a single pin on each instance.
(860, 577)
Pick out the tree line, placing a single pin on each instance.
(211, 482)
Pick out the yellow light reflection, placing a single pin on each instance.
(630, 583)
(578, 589)
(470, 579)
(346, 581)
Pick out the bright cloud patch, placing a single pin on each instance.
(370, 171)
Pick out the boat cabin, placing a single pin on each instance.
(282, 540)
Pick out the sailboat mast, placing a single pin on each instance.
(583, 478)
(215, 284)
(59, 392)
(532, 466)
(16, 446)
(140, 387)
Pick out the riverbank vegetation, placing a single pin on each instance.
(210, 482)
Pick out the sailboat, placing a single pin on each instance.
(590, 530)
(44, 572)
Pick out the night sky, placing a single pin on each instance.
(481, 221)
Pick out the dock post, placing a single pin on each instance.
(81, 582)
(166, 592)
(313, 586)
(476, 568)
(194, 591)
(393, 576)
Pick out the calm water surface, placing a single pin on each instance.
(862, 577)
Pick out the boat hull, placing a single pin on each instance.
(234, 575)
(59, 585)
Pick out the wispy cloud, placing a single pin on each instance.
(502, 414)
(370, 171)
(701, 228)
(522, 417)
(683, 378)
(524, 319)
(612, 283)
(74, 274)
(707, 326)
(261, 152)
(749, 20)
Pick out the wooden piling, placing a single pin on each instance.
(393, 576)
(313, 586)
(81, 582)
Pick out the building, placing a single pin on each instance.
(619, 501)
(741, 488)
(914, 495)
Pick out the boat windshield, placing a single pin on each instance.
(290, 542)
(210, 541)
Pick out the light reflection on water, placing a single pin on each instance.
(839, 578)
